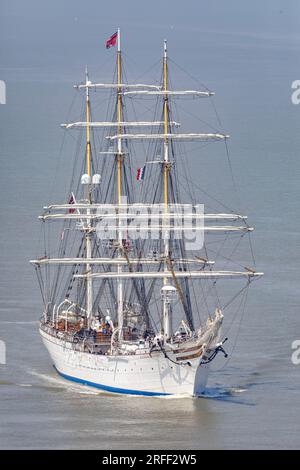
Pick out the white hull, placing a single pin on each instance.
(138, 374)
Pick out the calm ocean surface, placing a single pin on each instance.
(251, 402)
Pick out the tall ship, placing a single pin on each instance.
(129, 286)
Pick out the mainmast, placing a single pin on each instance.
(89, 285)
(119, 183)
(167, 320)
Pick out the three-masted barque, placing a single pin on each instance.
(120, 294)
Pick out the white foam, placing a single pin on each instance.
(69, 386)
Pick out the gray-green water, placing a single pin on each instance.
(249, 55)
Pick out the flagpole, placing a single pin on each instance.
(119, 40)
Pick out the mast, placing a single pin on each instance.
(167, 320)
(89, 283)
(119, 184)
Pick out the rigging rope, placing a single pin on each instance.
(237, 333)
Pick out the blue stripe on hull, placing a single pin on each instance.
(107, 388)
